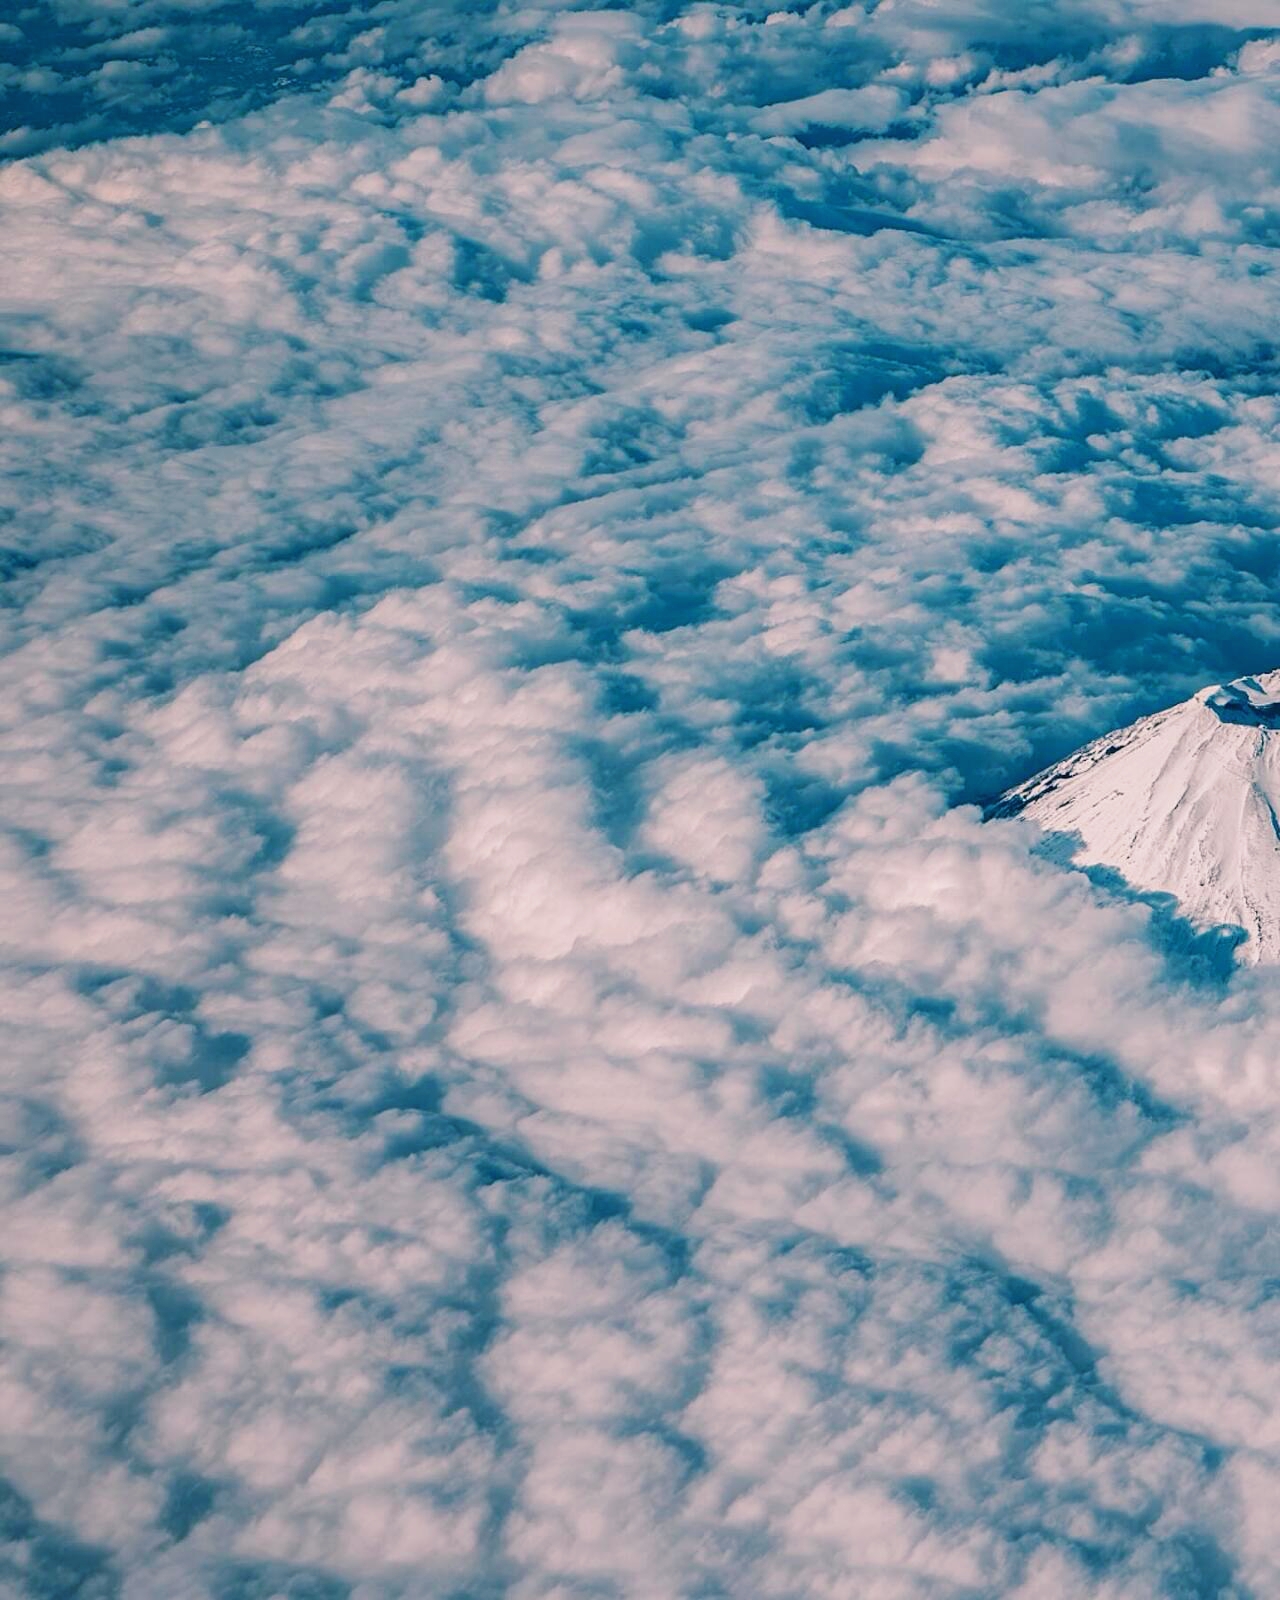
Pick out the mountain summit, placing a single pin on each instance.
(1185, 801)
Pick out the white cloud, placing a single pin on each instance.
(873, 107)
(525, 1071)
(582, 59)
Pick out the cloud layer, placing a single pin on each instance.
(526, 1073)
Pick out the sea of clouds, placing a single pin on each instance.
(529, 534)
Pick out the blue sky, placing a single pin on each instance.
(529, 536)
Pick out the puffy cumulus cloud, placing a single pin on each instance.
(1080, 151)
(873, 106)
(78, 70)
(584, 58)
(525, 1071)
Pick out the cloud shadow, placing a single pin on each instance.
(1201, 957)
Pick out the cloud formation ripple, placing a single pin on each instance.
(527, 539)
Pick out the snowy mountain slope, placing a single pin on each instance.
(1186, 801)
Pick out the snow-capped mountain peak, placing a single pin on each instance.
(1186, 801)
